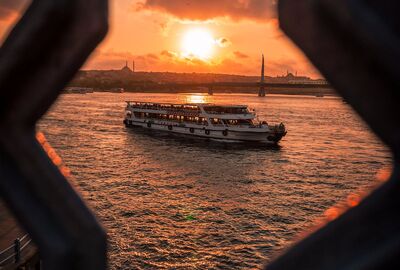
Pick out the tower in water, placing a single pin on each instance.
(261, 91)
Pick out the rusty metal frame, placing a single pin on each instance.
(356, 46)
(350, 41)
(40, 56)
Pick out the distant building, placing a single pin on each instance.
(294, 79)
(126, 70)
(290, 76)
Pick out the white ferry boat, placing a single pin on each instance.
(219, 122)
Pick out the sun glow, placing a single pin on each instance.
(198, 43)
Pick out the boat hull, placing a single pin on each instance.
(212, 133)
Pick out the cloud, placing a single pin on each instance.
(233, 63)
(223, 42)
(240, 55)
(164, 25)
(236, 10)
(10, 8)
(165, 61)
(114, 55)
(169, 54)
(152, 56)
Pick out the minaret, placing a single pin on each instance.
(126, 64)
(262, 70)
(261, 92)
(133, 66)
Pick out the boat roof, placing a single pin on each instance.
(190, 104)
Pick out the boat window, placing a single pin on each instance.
(239, 122)
(175, 115)
(216, 121)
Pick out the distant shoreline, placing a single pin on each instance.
(167, 82)
(318, 92)
(278, 91)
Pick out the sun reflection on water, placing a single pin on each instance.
(197, 98)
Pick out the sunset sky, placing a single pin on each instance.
(220, 36)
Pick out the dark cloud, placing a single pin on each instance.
(259, 10)
(240, 55)
(10, 7)
(223, 42)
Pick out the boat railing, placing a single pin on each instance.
(168, 110)
(219, 125)
(222, 113)
(173, 121)
(244, 126)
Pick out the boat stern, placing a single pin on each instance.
(277, 133)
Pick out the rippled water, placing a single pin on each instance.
(179, 203)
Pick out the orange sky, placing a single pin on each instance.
(151, 33)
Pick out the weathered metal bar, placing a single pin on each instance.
(40, 56)
(4, 251)
(8, 260)
(357, 49)
(356, 46)
(17, 250)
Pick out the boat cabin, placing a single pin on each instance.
(200, 114)
(228, 109)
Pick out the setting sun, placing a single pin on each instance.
(198, 43)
